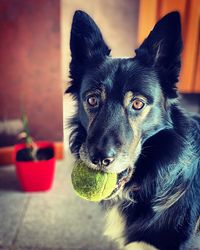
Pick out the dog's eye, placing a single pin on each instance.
(137, 104)
(93, 101)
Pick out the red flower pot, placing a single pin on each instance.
(35, 176)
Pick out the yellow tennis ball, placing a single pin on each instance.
(91, 184)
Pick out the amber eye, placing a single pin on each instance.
(137, 104)
(92, 101)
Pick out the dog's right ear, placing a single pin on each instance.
(87, 47)
(162, 50)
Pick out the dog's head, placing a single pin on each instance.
(122, 102)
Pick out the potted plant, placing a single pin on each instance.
(34, 161)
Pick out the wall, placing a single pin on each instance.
(30, 66)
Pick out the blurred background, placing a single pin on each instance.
(34, 59)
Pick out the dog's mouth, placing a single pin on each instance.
(122, 179)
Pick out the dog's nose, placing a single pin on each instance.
(107, 161)
(104, 162)
(103, 159)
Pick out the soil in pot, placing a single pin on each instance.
(41, 154)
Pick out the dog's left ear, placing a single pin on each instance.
(86, 41)
(87, 46)
(162, 49)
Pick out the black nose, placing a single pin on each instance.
(103, 158)
(104, 162)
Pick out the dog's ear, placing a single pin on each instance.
(86, 44)
(86, 41)
(162, 49)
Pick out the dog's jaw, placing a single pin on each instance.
(125, 172)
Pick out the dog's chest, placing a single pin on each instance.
(115, 226)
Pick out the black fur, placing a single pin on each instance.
(161, 202)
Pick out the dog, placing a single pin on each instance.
(129, 121)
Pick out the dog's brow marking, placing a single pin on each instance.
(115, 226)
(128, 96)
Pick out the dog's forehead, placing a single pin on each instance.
(120, 75)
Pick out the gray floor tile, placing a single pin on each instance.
(66, 223)
(12, 205)
(62, 177)
(11, 211)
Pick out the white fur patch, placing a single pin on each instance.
(139, 246)
(114, 230)
(115, 226)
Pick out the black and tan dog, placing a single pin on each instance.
(129, 121)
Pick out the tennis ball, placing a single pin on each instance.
(91, 184)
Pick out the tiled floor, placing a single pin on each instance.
(52, 220)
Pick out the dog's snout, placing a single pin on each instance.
(104, 145)
(102, 157)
